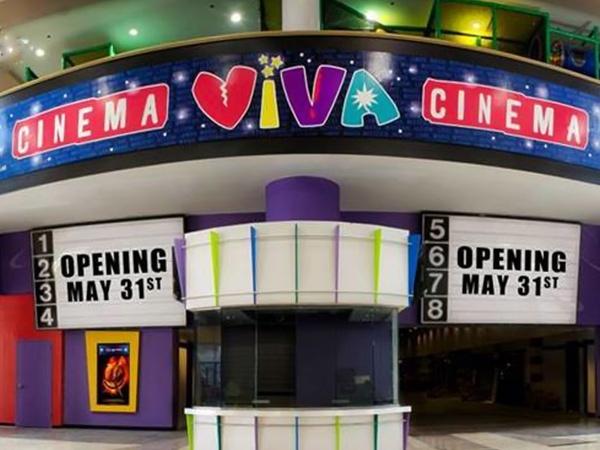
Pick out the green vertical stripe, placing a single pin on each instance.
(376, 262)
(214, 247)
(337, 433)
(375, 432)
(296, 259)
(189, 420)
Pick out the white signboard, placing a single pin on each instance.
(107, 275)
(492, 270)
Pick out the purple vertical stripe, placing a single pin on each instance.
(405, 430)
(297, 435)
(256, 433)
(180, 263)
(337, 261)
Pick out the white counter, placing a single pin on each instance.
(373, 428)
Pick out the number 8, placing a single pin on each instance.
(435, 309)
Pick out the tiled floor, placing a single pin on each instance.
(437, 425)
(90, 439)
(452, 425)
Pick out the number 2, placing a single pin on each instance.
(44, 266)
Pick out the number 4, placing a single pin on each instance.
(47, 318)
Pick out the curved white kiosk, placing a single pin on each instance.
(382, 428)
(304, 266)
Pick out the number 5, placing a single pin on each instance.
(436, 229)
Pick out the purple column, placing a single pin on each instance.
(303, 198)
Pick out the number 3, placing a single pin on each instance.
(46, 293)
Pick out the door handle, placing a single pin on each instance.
(21, 386)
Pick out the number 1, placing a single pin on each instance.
(43, 239)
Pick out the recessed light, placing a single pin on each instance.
(371, 16)
(236, 17)
(10, 49)
(476, 25)
(133, 32)
(25, 41)
(40, 52)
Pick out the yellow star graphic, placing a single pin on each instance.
(276, 62)
(264, 59)
(268, 72)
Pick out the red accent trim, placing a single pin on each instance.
(17, 322)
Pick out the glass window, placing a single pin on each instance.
(295, 358)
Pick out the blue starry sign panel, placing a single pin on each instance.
(493, 270)
(186, 97)
(107, 275)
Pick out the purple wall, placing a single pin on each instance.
(588, 312)
(204, 222)
(15, 264)
(406, 221)
(155, 385)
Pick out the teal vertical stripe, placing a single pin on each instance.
(375, 432)
(214, 250)
(254, 260)
(219, 436)
(376, 263)
(296, 259)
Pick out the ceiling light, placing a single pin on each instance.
(236, 17)
(133, 32)
(476, 25)
(10, 49)
(371, 16)
(25, 41)
(40, 52)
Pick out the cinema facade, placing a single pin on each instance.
(241, 228)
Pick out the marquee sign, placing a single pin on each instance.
(107, 275)
(402, 95)
(490, 270)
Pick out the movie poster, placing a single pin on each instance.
(113, 374)
(113, 361)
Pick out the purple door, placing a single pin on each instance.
(34, 384)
